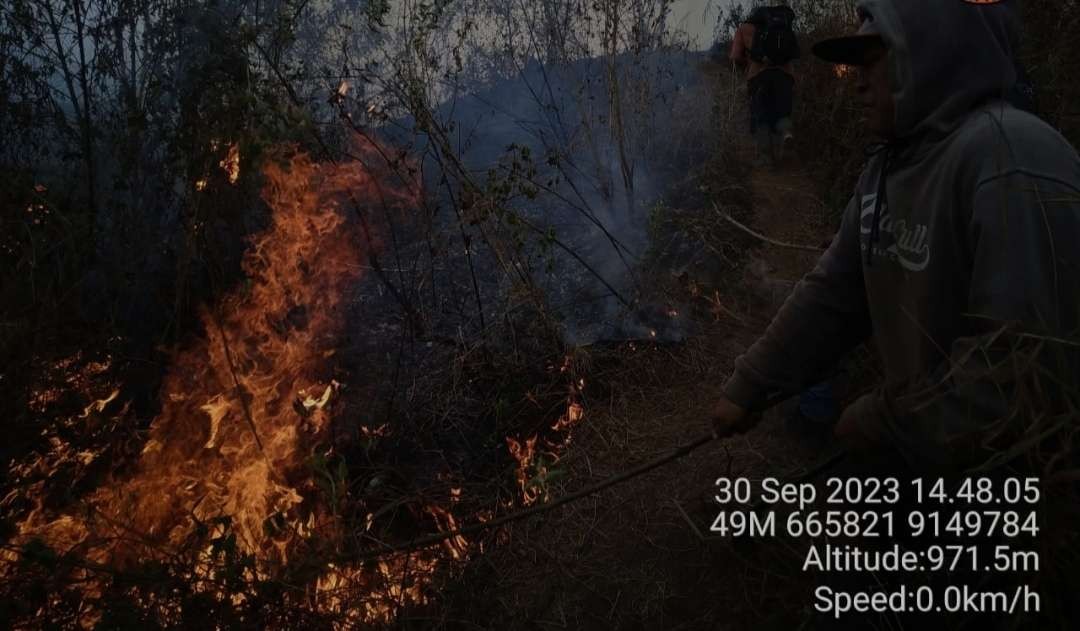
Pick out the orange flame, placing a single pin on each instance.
(524, 453)
(533, 462)
(231, 163)
(228, 435)
(243, 407)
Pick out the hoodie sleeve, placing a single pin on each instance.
(1021, 236)
(825, 316)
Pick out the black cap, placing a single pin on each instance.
(850, 50)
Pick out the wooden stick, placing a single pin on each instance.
(422, 542)
(779, 244)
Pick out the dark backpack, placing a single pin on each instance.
(774, 39)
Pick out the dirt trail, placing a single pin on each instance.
(640, 555)
(787, 210)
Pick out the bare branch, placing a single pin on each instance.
(757, 235)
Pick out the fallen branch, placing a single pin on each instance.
(779, 244)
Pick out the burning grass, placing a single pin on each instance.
(625, 558)
(242, 503)
(268, 470)
(222, 480)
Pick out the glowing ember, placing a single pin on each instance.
(71, 380)
(231, 163)
(524, 453)
(574, 414)
(99, 406)
(841, 71)
(378, 432)
(534, 462)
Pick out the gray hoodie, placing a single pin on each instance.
(972, 220)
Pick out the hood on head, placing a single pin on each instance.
(948, 56)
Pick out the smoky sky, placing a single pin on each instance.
(697, 18)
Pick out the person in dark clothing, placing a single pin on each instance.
(963, 225)
(771, 90)
(957, 259)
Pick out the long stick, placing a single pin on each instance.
(643, 468)
(422, 542)
(780, 244)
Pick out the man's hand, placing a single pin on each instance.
(854, 430)
(729, 419)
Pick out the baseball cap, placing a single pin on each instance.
(851, 50)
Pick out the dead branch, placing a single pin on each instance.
(779, 244)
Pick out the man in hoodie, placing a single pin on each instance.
(958, 253)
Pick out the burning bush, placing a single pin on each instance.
(244, 500)
(220, 495)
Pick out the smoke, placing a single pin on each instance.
(598, 165)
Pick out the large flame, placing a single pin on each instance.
(229, 437)
(245, 411)
(243, 407)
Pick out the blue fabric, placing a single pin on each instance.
(818, 403)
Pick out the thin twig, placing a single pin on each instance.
(719, 306)
(779, 244)
(689, 522)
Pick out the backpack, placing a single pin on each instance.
(774, 39)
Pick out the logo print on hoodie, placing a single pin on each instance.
(907, 245)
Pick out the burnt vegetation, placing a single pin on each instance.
(284, 285)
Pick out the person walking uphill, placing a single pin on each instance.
(957, 254)
(765, 47)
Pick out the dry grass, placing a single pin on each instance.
(639, 555)
(628, 558)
